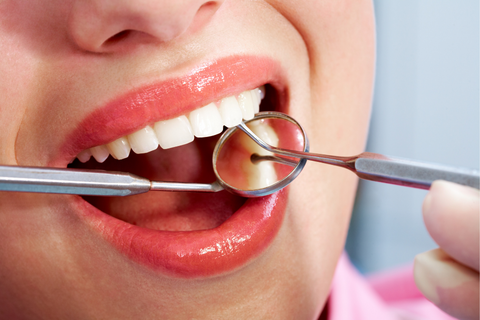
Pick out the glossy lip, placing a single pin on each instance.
(183, 254)
(195, 254)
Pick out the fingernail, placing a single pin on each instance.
(454, 190)
(434, 270)
(445, 196)
(423, 277)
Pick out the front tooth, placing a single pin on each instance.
(174, 132)
(206, 121)
(143, 140)
(230, 112)
(100, 153)
(120, 148)
(84, 156)
(246, 104)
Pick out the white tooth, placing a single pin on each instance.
(256, 100)
(100, 153)
(120, 148)
(263, 175)
(262, 92)
(245, 102)
(173, 133)
(143, 140)
(264, 132)
(84, 156)
(230, 112)
(206, 121)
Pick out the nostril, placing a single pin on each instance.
(107, 26)
(211, 5)
(118, 37)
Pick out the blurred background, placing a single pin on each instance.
(426, 107)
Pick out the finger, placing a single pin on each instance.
(451, 214)
(451, 286)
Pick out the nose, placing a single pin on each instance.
(100, 25)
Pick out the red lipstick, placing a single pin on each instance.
(194, 254)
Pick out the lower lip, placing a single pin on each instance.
(195, 254)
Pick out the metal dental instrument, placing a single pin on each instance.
(367, 165)
(373, 166)
(88, 182)
(107, 183)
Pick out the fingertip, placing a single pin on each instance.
(448, 284)
(451, 215)
(422, 275)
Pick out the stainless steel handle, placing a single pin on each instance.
(411, 173)
(88, 182)
(71, 181)
(376, 167)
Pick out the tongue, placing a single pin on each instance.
(172, 211)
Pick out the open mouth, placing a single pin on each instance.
(182, 234)
(176, 150)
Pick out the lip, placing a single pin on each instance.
(195, 254)
(183, 254)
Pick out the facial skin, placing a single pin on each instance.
(60, 63)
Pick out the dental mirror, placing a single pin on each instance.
(367, 165)
(257, 158)
(243, 167)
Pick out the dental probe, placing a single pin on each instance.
(373, 166)
(88, 182)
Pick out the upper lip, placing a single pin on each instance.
(167, 99)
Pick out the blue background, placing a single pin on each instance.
(426, 107)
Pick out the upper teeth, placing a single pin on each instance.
(203, 122)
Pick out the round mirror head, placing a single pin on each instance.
(244, 167)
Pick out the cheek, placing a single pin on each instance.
(17, 87)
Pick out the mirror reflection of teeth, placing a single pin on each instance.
(261, 174)
(203, 122)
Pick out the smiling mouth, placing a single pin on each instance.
(180, 234)
(176, 150)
